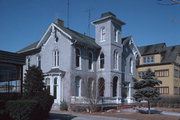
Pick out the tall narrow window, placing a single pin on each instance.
(78, 57)
(116, 35)
(103, 33)
(90, 66)
(55, 88)
(47, 83)
(131, 66)
(56, 58)
(101, 61)
(116, 60)
(39, 61)
(28, 62)
(78, 86)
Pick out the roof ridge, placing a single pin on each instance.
(152, 45)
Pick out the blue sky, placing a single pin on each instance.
(23, 22)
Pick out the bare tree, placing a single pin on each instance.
(91, 94)
(169, 2)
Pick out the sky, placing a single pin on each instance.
(23, 22)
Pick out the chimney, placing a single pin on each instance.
(59, 22)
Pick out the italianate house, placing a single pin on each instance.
(71, 60)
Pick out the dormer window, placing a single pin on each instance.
(103, 33)
(148, 59)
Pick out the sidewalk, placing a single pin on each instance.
(78, 116)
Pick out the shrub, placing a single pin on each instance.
(45, 102)
(22, 109)
(30, 108)
(63, 105)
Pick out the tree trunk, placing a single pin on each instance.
(149, 111)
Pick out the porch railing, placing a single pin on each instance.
(100, 100)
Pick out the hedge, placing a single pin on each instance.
(35, 107)
(21, 109)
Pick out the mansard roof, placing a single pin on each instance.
(13, 58)
(152, 49)
(168, 54)
(75, 37)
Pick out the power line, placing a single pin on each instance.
(68, 13)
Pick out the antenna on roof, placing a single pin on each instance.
(68, 13)
(89, 21)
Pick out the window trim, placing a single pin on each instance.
(101, 61)
(162, 73)
(56, 58)
(78, 86)
(39, 61)
(102, 34)
(116, 35)
(90, 63)
(148, 59)
(79, 58)
(116, 60)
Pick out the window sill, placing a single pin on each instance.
(101, 69)
(91, 70)
(78, 68)
(55, 67)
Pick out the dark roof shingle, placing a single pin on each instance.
(152, 49)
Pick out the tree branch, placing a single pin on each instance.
(171, 2)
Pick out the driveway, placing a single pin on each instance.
(77, 116)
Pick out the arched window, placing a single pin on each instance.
(101, 87)
(116, 60)
(78, 57)
(56, 58)
(114, 85)
(131, 66)
(78, 86)
(90, 86)
(101, 61)
(103, 33)
(39, 61)
(55, 88)
(90, 56)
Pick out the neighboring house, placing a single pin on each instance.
(11, 72)
(165, 62)
(70, 59)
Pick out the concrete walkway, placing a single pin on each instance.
(77, 116)
(55, 115)
(154, 111)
